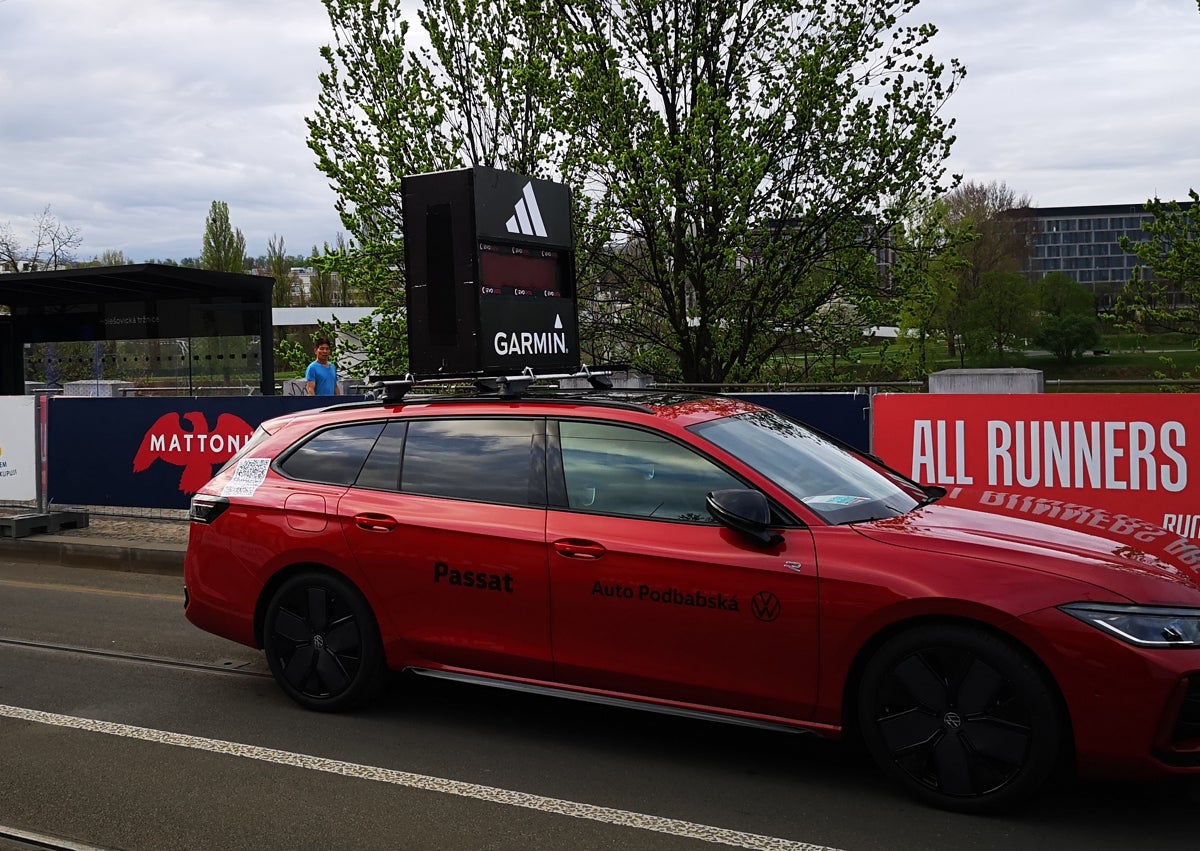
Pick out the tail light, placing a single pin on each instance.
(206, 509)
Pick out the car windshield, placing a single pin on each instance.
(832, 481)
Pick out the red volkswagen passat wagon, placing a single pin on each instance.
(710, 557)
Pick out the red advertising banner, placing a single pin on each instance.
(1129, 453)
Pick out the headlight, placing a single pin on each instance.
(1145, 626)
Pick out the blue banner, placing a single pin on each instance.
(150, 452)
(156, 452)
(845, 416)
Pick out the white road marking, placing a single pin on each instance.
(490, 794)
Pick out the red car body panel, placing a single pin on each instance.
(705, 619)
(490, 612)
(694, 615)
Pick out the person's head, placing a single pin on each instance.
(322, 348)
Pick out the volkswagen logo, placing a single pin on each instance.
(765, 606)
(952, 720)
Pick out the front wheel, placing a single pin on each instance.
(961, 717)
(322, 642)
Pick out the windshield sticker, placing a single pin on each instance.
(833, 499)
(247, 476)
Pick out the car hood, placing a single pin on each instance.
(1128, 556)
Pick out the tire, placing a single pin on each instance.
(963, 719)
(322, 642)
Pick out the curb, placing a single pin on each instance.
(98, 554)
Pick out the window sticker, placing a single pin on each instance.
(247, 476)
(833, 499)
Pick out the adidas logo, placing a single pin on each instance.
(528, 218)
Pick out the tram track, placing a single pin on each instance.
(220, 667)
(15, 839)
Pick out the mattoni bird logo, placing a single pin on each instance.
(197, 450)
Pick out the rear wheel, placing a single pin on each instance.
(959, 716)
(322, 642)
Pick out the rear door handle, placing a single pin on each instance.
(577, 548)
(370, 522)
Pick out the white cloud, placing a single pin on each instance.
(129, 117)
(1077, 101)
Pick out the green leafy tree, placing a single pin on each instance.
(473, 96)
(224, 246)
(745, 148)
(321, 287)
(1000, 317)
(384, 335)
(279, 267)
(1000, 229)
(1167, 300)
(834, 330)
(1067, 322)
(925, 275)
(725, 157)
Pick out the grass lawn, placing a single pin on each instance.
(1125, 358)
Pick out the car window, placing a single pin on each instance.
(382, 469)
(488, 460)
(333, 456)
(615, 469)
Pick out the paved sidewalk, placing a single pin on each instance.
(131, 529)
(112, 543)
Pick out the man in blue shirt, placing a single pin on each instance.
(321, 375)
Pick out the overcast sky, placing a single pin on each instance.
(129, 117)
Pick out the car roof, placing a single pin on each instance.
(680, 407)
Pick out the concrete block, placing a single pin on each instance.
(991, 381)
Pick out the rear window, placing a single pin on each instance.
(333, 456)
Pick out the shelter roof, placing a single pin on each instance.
(106, 284)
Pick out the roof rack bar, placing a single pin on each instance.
(392, 388)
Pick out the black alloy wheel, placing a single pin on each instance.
(322, 642)
(961, 717)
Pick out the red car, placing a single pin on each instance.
(708, 557)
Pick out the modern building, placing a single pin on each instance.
(1084, 242)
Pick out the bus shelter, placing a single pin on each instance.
(153, 328)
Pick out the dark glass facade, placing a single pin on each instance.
(1084, 242)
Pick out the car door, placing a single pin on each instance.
(652, 597)
(448, 519)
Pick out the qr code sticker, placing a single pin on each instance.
(247, 476)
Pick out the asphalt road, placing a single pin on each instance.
(123, 727)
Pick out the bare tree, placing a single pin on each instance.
(52, 245)
(115, 257)
(109, 257)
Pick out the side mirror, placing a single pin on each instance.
(744, 511)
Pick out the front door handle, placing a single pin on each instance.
(370, 522)
(578, 548)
